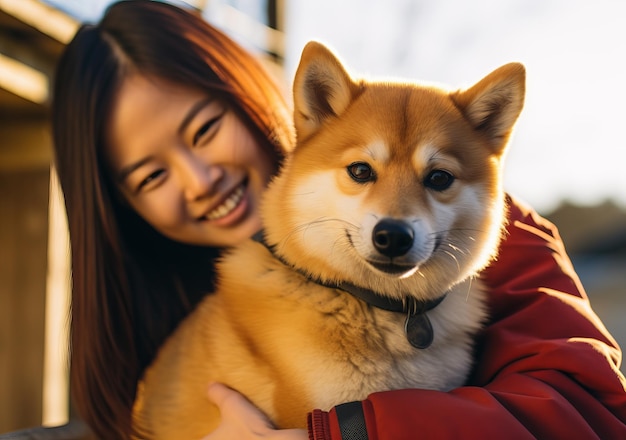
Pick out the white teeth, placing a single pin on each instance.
(228, 205)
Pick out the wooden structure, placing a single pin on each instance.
(28, 54)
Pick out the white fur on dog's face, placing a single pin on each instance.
(336, 226)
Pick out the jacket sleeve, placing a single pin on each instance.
(546, 367)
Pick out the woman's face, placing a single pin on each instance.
(186, 163)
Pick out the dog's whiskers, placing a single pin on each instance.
(304, 228)
(454, 259)
(469, 288)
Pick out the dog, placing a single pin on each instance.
(364, 277)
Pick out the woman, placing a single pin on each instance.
(166, 133)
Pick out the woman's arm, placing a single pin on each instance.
(546, 365)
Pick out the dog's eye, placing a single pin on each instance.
(361, 172)
(438, 180)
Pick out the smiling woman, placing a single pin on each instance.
(156, 175)
(192, 169)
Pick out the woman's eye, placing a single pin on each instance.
(361, 172)
(438, 180)
(205, 128)
(151, 177)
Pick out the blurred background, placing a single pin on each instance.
(566, 159)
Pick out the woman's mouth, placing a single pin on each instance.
(227, 206)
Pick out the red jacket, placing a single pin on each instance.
(546, 366)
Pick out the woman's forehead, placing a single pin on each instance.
(146, 112)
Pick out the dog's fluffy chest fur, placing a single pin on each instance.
(273, 331)
(360, 344)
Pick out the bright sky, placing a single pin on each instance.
(568, 143)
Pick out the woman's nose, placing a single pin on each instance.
(199, 178)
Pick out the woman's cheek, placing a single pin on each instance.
(162, 208)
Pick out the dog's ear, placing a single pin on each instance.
(321, 89)
(494, 103)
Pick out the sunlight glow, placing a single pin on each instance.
(46, 18)
(23, 80)
(56, 363)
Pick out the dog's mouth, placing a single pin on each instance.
(396, 269)
(402, 269)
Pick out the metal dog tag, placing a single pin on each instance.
(419, 330)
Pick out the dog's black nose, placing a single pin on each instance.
(392, 238)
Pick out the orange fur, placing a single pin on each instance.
(290, 344)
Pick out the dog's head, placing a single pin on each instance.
(392, 186)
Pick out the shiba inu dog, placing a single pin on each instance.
(364, 277)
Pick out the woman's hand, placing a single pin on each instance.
(242, 420)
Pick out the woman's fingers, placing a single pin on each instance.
(234, 406)
(242, 420)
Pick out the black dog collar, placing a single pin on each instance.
(417, 327)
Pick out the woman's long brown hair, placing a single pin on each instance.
(130, 285)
